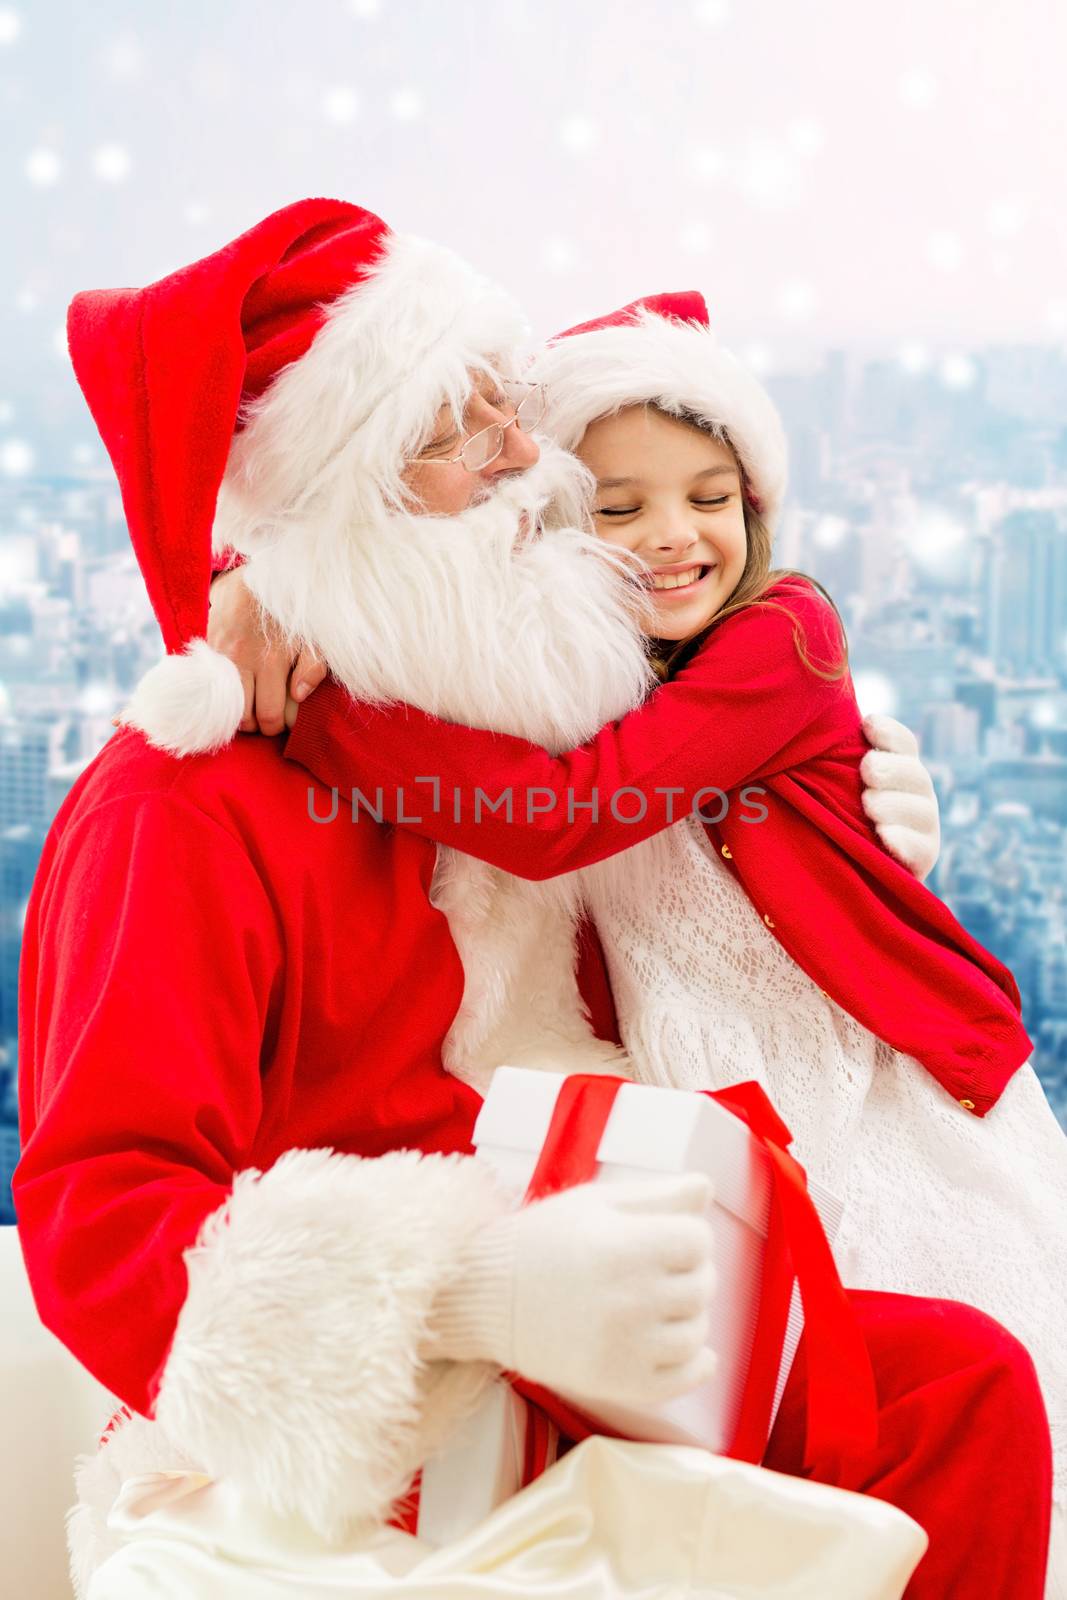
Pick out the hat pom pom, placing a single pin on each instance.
(188, 704)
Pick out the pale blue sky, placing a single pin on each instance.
(834, 172)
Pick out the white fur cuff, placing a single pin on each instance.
(295, 1366)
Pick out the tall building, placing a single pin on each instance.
(28, 750)
(949, 732)
(1026, 596)
(20, 850)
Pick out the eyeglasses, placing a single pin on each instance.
(483, 447)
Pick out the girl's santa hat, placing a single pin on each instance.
(316, 345)
(660, 350)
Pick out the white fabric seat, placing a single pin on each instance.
(53, 1411)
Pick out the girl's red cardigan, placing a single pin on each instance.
(746, 713)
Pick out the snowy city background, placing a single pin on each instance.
(871, 198)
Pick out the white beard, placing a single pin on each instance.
(474, 621)
(465, 617)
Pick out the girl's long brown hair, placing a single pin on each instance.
(670, 655)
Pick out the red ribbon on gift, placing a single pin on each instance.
(842, 1413)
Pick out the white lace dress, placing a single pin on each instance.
(937, 1202)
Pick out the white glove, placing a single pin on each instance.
(601, 1292)
(899, 797)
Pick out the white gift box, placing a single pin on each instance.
(480, 1466)
(661, 1131)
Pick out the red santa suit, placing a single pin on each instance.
(243, 1179)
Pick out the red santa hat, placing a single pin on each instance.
(317, 330)
(660, 350)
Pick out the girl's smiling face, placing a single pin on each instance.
(672, 494)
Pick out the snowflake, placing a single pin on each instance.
(944, 250)
(7, 411)
(1008, 216)
(96, 699)
(958, 372)
(707, 163)
(713, 13)
(1056, 317)
(26, 301)
(578, 134)
(876, 694)
(10, 25)
(918, 88)
(196, 213)
(934, 541)
(766, 175)
(83, 455)
(43, 167)
(829, 532)
(365, 8)
(913, 358)
(805, 136)
(557, 255)
(406, 105)
(16, 458)
(340, 104)
(758, 357)
(797, 301)
(111, 163)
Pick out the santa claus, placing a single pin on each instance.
(253, 1030)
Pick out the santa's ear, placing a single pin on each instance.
(188, 704)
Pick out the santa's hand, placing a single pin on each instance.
(238, 628)
(601, 1292)
(899, 796)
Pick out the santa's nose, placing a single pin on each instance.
(520, 451)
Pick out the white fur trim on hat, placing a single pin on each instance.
(679, 366)
(364, 397)
(188, 704)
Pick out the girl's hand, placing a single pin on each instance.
(238, 627)
(899, 796)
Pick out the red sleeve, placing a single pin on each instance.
(140, 1082)
(745, 705)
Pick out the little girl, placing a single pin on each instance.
(799, 952)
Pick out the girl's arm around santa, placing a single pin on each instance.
(769, 751)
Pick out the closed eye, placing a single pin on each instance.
(441, 444)
(617, 511)
(720, 500)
